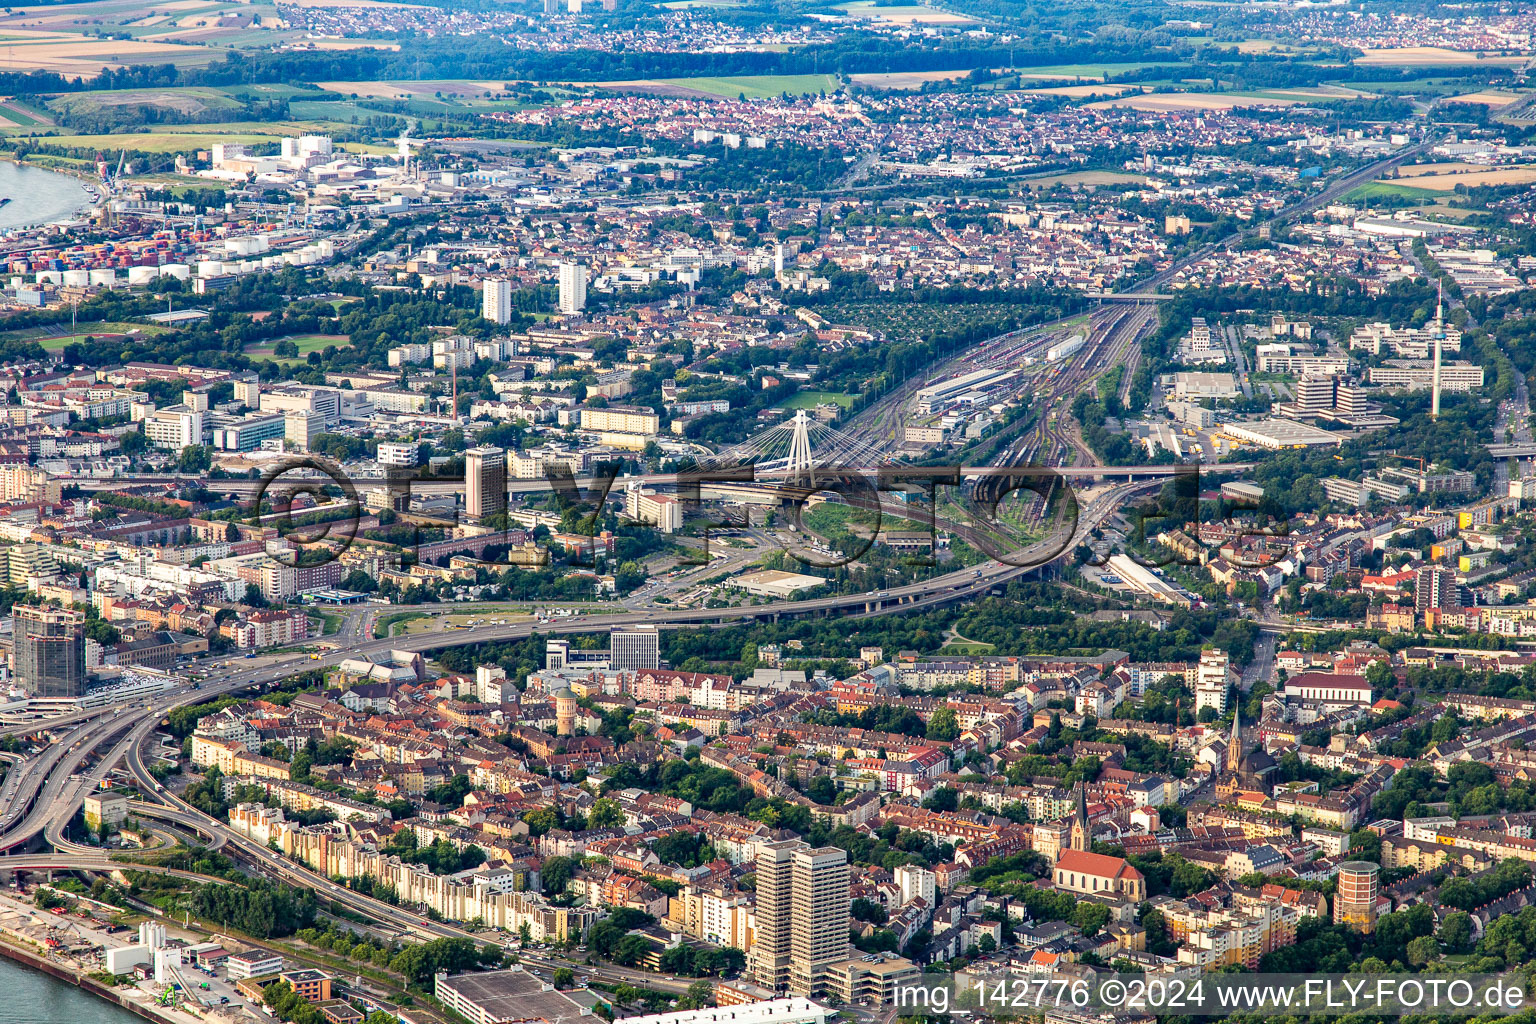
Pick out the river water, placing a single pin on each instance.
(37, 196)
(32, 997)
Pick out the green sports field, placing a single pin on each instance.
(811, 399)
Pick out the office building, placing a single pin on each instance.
(662, 511)
(1314, 394)
(247, 435)
(397, 453)
(496, 301)
(174, 428)
(248, 392)
(485, 482)
(301, 428)
(634, 648)
(573, 287)
(802, 915)
(1354, 902)
(49, 650)
(252, 964)
(1419, 374)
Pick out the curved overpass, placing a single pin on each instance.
(45, 795)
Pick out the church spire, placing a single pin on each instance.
(1082, 833)
(1235, 743)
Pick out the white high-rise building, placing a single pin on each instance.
(496, 301)
(1211, 678)
(634, 647)
(174, 427)
(573, 287)
(916, 883)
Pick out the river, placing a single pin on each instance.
(37, 196)
(38, 998)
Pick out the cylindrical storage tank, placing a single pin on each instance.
(209, 268)
(77, 278)
(106, 278)
(180, 271)
(142, 275)
(55, 276)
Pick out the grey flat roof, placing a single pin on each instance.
(512, 995)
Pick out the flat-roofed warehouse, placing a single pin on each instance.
(776, 583)
(1278, 433)
(492, 996)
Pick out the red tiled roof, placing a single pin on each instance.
(1098, 864)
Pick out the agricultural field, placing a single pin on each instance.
(1086, 178)
(1378, 190)
(904, 79)
(1429, 56)
(1447, 182)
(189, 101)
(753, 87)
(190, 137)
(78, 55)
(1083, 92)
(455, 89)
(1488, 97)
(1088, 72)
(1177, 101)
(915, 14)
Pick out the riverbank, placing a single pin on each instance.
(35, 961)
(43, 195)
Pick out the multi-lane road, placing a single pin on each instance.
(41, 793)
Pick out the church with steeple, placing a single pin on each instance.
(1079, 869)
(1250, 772)
(1082, 833)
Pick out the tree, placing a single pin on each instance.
(1456, 932)
(1423, 950)
(564, 978)
(943, 726)
(1090, 917)
(1379, 675)
(606, 813)
(700, 994)
(194, 458)
(554, 873)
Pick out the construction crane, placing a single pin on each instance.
(1407, 458)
